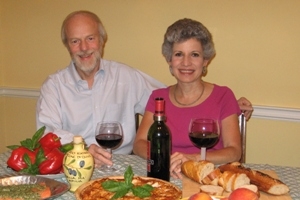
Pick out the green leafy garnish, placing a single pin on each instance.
(33, 168)
(30, 143)
(142, 191)
(123, 187)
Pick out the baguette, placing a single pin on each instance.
(212, 178)
(212, 190)
(240, 180)
(226, 180)
(197, 170)
(263, 181)
(252, 188)
(230, 180)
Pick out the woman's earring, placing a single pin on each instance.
(171, 70)
(204, 70)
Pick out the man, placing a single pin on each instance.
(92, 89)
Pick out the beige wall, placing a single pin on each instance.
(1, 45)
(19, 120)
(257, 45)
(2, 125)
(2, 133)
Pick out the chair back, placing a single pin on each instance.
(242, 125)
(137, 122)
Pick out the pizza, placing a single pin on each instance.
(162, 190)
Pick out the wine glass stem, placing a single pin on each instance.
(203, 153)
(109, 151)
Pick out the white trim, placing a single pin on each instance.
(262, 112)
(276, 113)
(19, 92)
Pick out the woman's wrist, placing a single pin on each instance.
(196, 157)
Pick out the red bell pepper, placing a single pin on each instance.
(53, 162)
(16, 159)
(50, 140)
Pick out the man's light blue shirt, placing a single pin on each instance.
(68, 107)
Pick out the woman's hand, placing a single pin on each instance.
(176, 161)
(246, 107)
(101, 156)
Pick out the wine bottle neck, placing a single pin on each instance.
(159, 118)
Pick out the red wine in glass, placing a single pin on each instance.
(204, 133)
(109, 141)
(108, 135)
(205, 139)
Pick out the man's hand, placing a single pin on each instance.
(246, 107)
(100, 155)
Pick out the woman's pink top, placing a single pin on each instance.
(220, 104)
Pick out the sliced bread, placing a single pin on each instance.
(197, 170)
(212, 190)
(212, 178)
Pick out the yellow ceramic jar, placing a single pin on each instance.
(78, 164)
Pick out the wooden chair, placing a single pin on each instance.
(242, 125)
(137, 122)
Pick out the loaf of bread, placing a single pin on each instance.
(212, 190)
(212, 178)
(252, 188)
(263, 181)
(197, 170)
(230, 180)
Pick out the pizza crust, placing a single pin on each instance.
(163, 190)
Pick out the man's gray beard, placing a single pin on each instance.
(85, 67)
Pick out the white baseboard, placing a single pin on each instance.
(262, 112)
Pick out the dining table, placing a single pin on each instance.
(289, 175)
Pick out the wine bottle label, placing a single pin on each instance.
(149, 161)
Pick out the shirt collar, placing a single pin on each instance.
(74, 73)
(82, 85)
(76, 76)
(102, 67)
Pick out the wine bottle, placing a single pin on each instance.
(159, 144)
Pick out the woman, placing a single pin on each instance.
(188, 48)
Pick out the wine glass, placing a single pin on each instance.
(108, 135)
(204, 133)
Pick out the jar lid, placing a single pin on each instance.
(77, 139)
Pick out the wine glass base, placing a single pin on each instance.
(108, 169)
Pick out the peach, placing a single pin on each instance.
(200, 196)
(243, 194)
